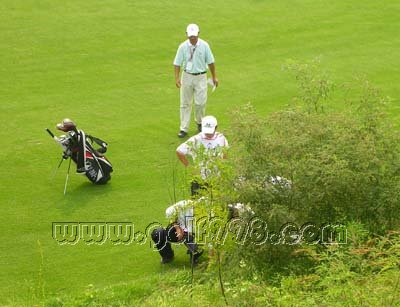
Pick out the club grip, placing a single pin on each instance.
(51, 133)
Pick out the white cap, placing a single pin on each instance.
(192, 30)
(208, 124)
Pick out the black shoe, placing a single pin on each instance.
(199, 127)
(166, 260)
(182, 134)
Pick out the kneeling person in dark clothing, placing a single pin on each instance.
(179, 230)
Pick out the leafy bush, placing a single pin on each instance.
(308, 167)
(342, 166)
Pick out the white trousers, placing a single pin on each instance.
(193, 87)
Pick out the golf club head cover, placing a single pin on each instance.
(66, 125)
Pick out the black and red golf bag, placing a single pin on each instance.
(79, 146)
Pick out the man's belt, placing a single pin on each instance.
(196, 73)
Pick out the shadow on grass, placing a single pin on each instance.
(83, 194)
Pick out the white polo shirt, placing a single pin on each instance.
(212, 147)
(182, 213)
(208, 148)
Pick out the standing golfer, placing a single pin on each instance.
(203, 146)
(194, 55)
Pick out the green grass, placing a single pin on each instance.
(380, 289)
(108, 66)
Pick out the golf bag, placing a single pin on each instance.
(78, 146)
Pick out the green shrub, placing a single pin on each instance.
(336, 167)
(342, 166)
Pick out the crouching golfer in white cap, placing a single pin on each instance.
(208, 142)
(180, 230)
